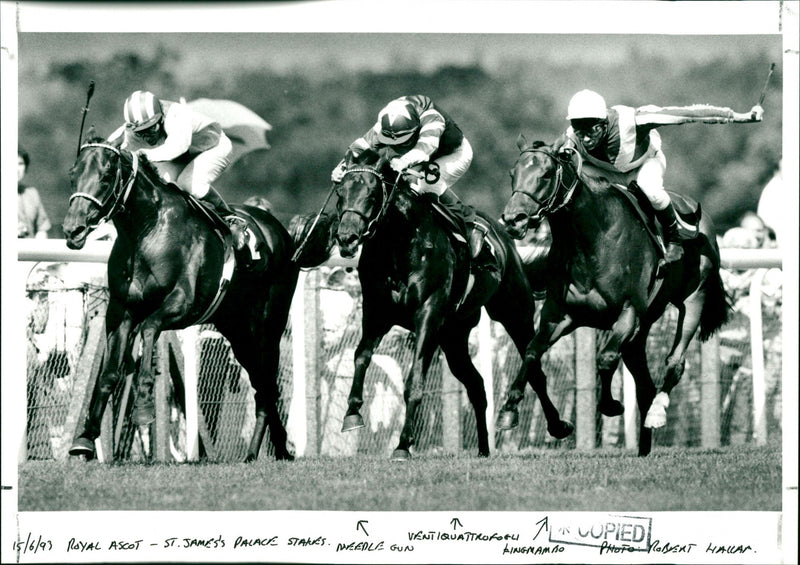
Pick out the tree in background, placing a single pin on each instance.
(315, 116)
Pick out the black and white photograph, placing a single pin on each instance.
(342, 281)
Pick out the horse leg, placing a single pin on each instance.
(173, 308)
(266, 400)
(608, 360)
(455, 344)
(553, 325)
(427, 322)
(144, 407)
(688, 321)
(634, 354)
(520, 329)
(259, 353)
(118, 344)
(374, 326)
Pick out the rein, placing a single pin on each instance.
(549, 206)
(387, 197)
(119, 192)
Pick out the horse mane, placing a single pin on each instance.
(146, 167)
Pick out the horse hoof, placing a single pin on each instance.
(250, 458)
(401, 455)
(284, 456)
(611, 408)
(144, 415)
(82, 449)
(655, 419)
(483, 453)
(508, 420)
(561, 430)
(352, 422)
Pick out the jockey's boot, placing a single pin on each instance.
(672, 241)
(237, 225)
(473, 229)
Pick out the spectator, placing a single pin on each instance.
(753, 223)
(735, 351)
(259, 202)
(771, 205)
(32, 220)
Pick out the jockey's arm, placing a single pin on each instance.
(178, 127)
(655, 116)
(367, 141)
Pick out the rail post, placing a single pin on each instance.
(585, 385)
(709, 393)
(757, 359)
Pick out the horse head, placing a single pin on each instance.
(537, 187)
(99, 189)
(362, 197)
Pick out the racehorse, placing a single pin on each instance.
(412, 275)
(603, 272)
(168, 268)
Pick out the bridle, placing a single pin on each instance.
(551, 204)
(119, 192)
(386, 193)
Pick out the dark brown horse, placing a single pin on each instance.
(165, 272)
(603, 273)
(414, 276)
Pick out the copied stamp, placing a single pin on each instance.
(611, 533)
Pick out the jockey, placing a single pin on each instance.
(621, 144)
(166, 131)
(416, 131)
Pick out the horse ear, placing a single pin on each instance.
(521, 142)
(90, 134)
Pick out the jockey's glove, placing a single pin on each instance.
(408, 159)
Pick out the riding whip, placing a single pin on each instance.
(302, 245)
(89, 94)
(766, 84)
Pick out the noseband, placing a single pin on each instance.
(119, 192)
(386, 194)
(550, 204)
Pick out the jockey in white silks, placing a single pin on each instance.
(621, 144)
(166, 131)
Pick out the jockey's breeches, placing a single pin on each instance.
(201, 171)
(451, 168)
(206, 168)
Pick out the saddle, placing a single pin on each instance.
(251, 254)
(491, 257)
(687, 210)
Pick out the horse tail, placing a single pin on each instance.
(318, 244)
(717, 305)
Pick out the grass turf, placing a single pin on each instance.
(731, 478)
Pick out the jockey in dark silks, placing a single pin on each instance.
(166, 131)
(416, 131)
(620, 144)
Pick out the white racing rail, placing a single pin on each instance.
(31, 251)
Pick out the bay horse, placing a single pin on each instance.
(165, 272)
(603, 273)
(412, 275)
